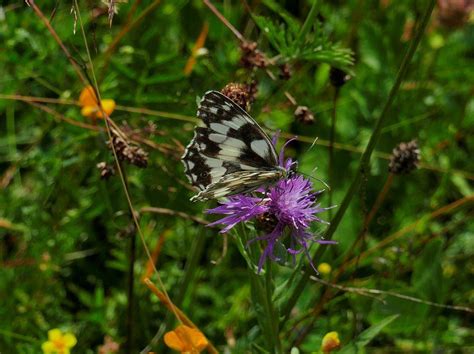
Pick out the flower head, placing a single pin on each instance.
(58, 342)
(330, 342)
(186, 340)
(290, 205)
(88, 100)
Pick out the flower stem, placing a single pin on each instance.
(261, 292)
(365, 159)
(331, 147)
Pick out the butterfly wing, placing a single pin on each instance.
(232, 154)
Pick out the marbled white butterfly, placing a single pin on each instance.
(231, 154)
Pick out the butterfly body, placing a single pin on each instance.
(231, 154)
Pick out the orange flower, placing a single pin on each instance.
(88, 100)
(186, 340)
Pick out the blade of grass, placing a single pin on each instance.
(365, 158)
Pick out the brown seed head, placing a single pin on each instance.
(405, 158)
(304, 115)
(132, 154)
(454, 13)
(251, 57)
(106, 170)
(242, 94)
(285, 72)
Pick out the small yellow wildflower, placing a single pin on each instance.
(58, 342)
(88, 101)
(186, 340)
(324, 268)
(330, 342)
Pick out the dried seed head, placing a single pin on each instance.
(251, 56)
(266, 222)
(106, 170)
(285, 72)
(338, 77)
(132, 154)
(454, 13)
(405, 158)
(304, 115)
(242, 94)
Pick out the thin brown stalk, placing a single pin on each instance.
(170, 212)
(181, 316)
(221, 17)
(367, 291)
(395, 236)
(38, 99)
(108, 123)
(61, 117)
(51, 30)
(302, 138)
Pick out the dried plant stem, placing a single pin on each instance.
(171, 212)
(108, 122)
(365, 158)
(216, 12)
(395, 236)
(58, 40)
(368, 291)
(176, 116)
(180, 315)
(61, 117)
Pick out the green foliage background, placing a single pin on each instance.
(65, 234)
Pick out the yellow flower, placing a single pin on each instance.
(186, 340)
(330, 342)
(88, 101)
(324, 268)
(58, 342)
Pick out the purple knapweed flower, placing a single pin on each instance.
(290, 205)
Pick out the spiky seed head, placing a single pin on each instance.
(304, 115)
(242, 94)
(405, 158)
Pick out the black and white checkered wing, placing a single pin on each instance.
(231, 154)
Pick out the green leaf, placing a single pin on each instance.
(427, 278)
(366, 336)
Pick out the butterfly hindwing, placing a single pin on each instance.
(232, 154)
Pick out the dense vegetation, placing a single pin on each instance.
(361, 76)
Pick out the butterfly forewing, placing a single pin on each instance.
(232, 154)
